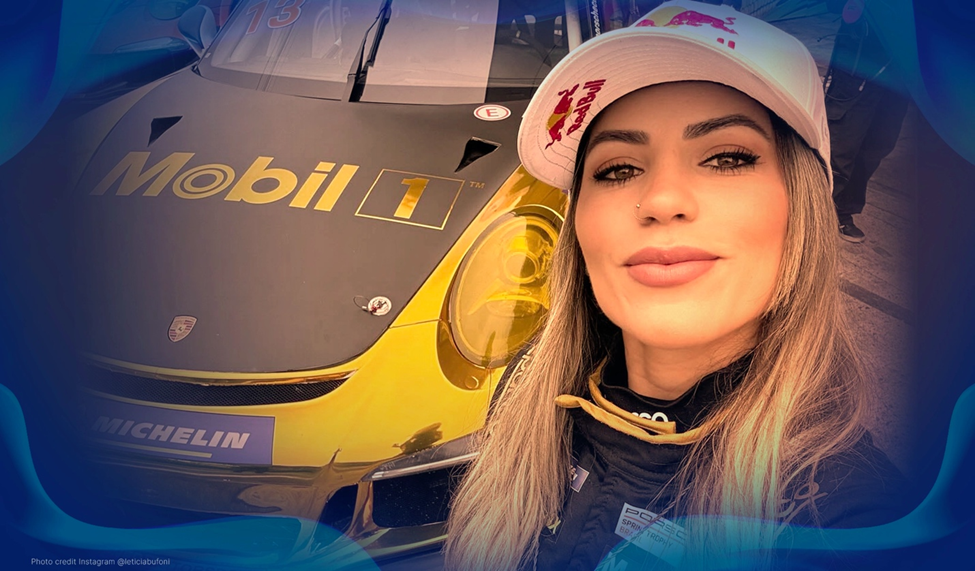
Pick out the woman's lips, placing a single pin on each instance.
(657, 267)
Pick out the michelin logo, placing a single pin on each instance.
(188, 435)
(163, 433)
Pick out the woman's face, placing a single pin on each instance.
(695, 264)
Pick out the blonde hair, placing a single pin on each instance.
(799, 402)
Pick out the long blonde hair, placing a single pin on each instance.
(800, 401)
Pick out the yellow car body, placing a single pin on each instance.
(411, 392)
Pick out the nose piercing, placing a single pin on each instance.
(636, 213)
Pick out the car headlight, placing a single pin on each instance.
(500, 295)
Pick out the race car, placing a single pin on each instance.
(301, 266)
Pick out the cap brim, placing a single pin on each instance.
(630, 59)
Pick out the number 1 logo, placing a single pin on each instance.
(413, 194)
(386, 199)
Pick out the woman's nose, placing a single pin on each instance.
(665, 195)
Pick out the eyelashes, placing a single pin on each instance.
(731, 162)
(616, 173)
(734, 161)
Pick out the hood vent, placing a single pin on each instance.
(475, 149)
(160, 125)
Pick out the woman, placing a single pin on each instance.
(695, 361)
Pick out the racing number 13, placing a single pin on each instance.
(288, 15)
(413, 193)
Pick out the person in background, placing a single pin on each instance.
(865, 112)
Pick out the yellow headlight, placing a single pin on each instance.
(500, 296)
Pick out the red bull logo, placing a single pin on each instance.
(687, 18)
(559, 114)
(564, 110)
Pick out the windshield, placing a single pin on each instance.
(431, 51)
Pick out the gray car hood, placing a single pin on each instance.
(272, 285)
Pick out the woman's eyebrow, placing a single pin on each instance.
(704, 127)
(620, 135)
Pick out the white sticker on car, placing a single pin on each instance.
(492, 112)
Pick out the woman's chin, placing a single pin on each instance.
(675, 332)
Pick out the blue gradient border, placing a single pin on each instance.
(45, 503)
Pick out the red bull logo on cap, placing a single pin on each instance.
(686, 18)
(559, 114)
(564, 109)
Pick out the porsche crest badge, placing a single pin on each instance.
(181, 326)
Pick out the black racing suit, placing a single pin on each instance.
(620, 483)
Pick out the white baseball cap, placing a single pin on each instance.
(677, 41)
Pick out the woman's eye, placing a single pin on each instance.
(616, 173)
(731, 161)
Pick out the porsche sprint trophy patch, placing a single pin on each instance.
(181, 326)
(646, 534)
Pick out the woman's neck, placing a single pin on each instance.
(666, 373)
